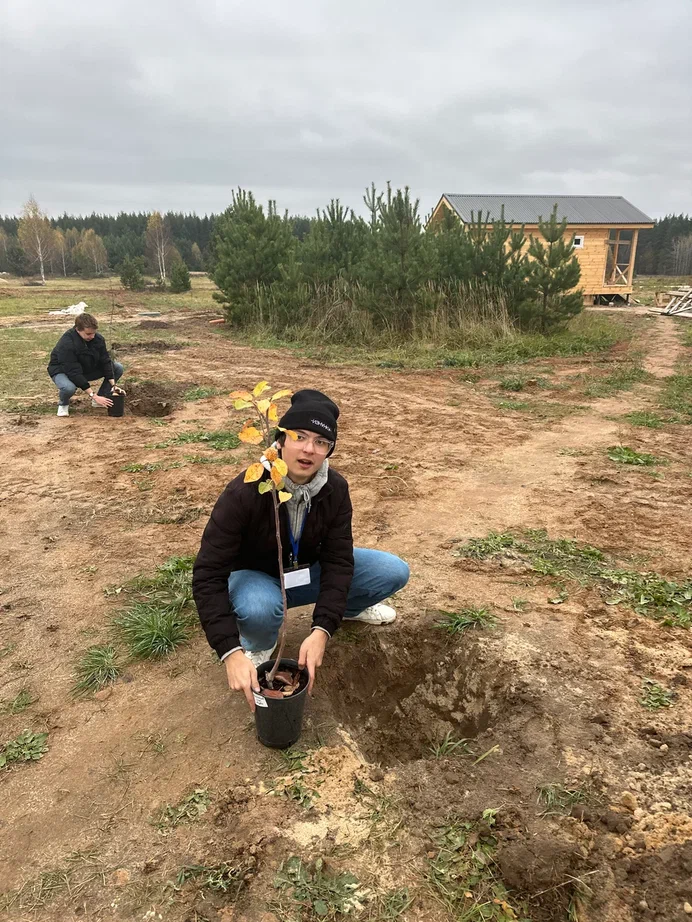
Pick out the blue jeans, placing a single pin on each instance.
(67, 388)
(256, 596)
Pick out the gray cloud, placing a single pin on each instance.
(168, 105)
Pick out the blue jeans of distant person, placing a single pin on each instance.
(67, 388)
(256, 596)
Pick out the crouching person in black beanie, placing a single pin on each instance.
(236, 578)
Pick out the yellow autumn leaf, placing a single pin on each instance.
(266, 486)
(284, 496)
(263, 405)
(277, 477)
(271, 454)
(279, 394)
(260, 388)
(241, 395)
(254, 472)
(289, 432)
(272, 414)
(241, 404)
(250, 435)
(281, 466)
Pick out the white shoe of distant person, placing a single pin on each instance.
(376, 614)
(63, 409)
(257, 657)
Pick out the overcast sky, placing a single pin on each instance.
(163, 104)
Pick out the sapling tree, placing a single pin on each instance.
(259, 432)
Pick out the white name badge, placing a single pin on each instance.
(300, 576)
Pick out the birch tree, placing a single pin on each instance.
(159, 243)
(35, 235)
(60, 249)
(94, 251)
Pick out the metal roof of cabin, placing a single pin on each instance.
(526, 209)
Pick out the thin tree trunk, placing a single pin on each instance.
(282, 629)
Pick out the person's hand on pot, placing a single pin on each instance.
(311, 653)
(242, 676)
(103, 401)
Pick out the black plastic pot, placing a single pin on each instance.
(280, 722)
(118, 408)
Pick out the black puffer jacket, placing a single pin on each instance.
(80, 360)
(240, 535)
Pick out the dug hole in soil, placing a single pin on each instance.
(153, 398)
(398, 694)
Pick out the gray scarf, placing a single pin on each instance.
(302, 495)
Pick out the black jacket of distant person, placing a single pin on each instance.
(80, 360)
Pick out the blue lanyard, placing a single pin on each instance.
(295, 542)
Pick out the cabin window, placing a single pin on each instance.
(578, 241)
(619, 257)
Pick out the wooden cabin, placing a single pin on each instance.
(605, 230)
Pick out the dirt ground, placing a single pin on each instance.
(550, 695)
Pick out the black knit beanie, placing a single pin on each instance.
(314, 411)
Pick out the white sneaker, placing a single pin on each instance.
(376, 614)
(63, 409)
(257, 657)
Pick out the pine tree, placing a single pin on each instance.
(403, 257)
(180, 277)
(131, 275)
(554, 272)
(335, 244)
(249, 248)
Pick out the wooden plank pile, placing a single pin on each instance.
(677, 301)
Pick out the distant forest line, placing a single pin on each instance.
(124, 235)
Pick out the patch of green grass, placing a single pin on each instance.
(622, 454)
(187, 810)
(171, 584)
(98, 667)
(201, 393)
(315, 892)
(655, 696)
(622, 379)
(512, 384)
(449, 746)
(512, 404)
(293, 759)
(456, 622)
(225, 877)
(209, 459)
(464, 877)
(27, 747)
(137, 468)
(651, 595)
(561, 557)
(21, 701)
(220, 440)
(676, 395)
(588, 333)
(647, 594)
(302, 794)
(557, 799)
(391, 905)
(645, 419)
(150, 630)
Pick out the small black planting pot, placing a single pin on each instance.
(118, 408)
(279, 721)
